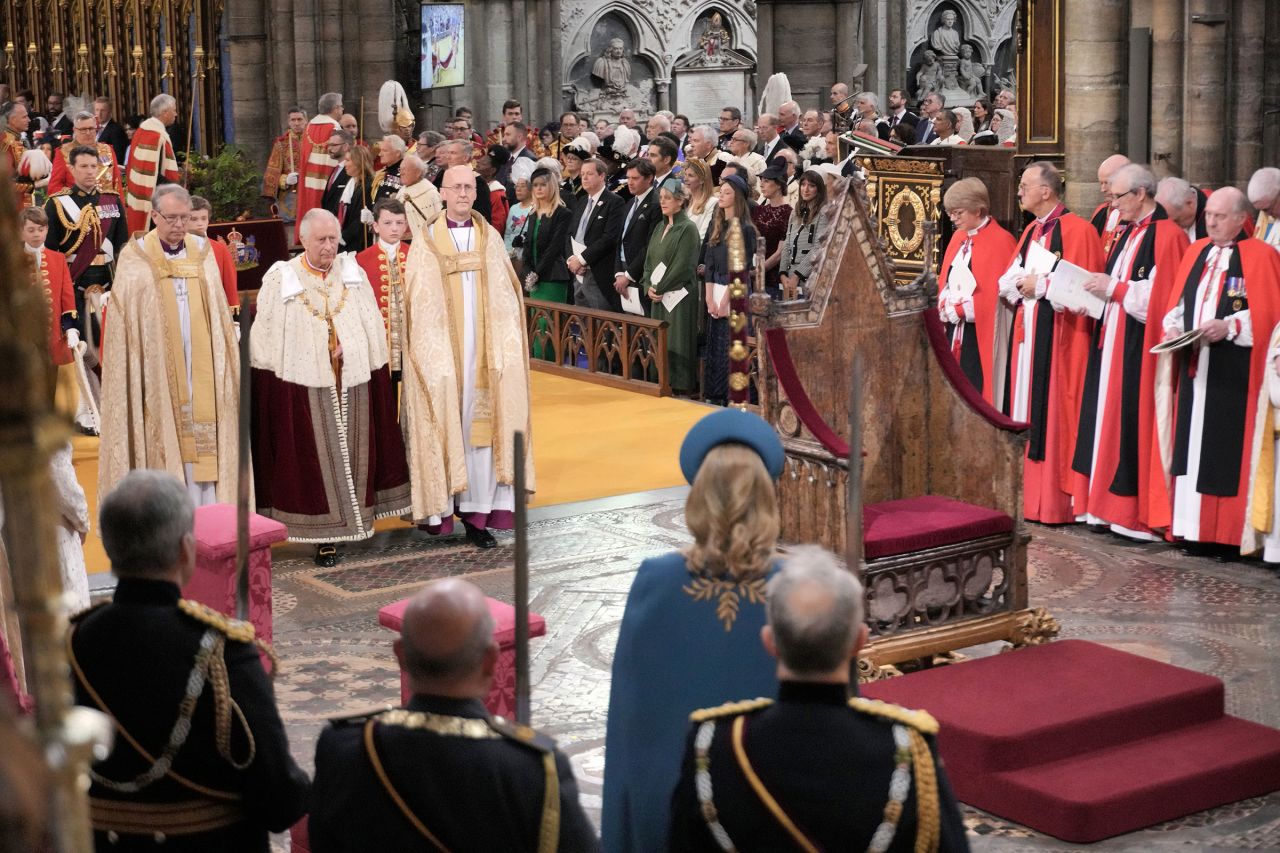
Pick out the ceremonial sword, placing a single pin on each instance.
(243, 472)
(521, 582)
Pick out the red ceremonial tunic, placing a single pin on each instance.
(60, 178)
(316, 167)
(374, 263)
(227, 272)
(1117, 412)
(1214, 437)
(61, 299)
(1056, 344)
(987, 254)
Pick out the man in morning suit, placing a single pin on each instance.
(596, 224)
(154, 661)
(441, 773)
(812, 770)
(638, 221)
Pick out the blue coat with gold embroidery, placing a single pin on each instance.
(685, 643)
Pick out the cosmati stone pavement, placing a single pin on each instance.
(1217, 618)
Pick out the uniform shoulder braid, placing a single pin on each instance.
(921, 721)
(729, 709)
(234, 629)
(521, 734)
(63, 191)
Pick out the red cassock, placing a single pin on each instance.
(61, 299)
(227, 272)
(1058, 352)
(1214, 437)
(988, 256)
(1117, 415)
(316, 166)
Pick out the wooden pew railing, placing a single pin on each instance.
(620, 350)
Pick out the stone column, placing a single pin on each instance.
(1167, 35)
(848, 51)
(1250, 74)
(764, 43)
(520, 55)
(1271, 81)
(1096, 60)
(1204, 145)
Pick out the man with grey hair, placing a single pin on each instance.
(789, 122)
(1185, 206)
(703, 141)
(321, 382)
(318, 167)
(471, 780)
(826, 759)
(457, 152)
(1112, 449)
(151, 161)
(386, 181)
(419, 196)
(930, 106)
(769, 140)
(1264, 195)
(657, 123)
(170, 365)
(148, 658)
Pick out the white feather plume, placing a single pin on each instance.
(776, 93)
(391, 97)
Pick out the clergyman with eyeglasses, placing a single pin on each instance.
(170, 366)
(465, 369)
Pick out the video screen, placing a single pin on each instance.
(442, 41)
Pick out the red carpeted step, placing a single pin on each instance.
(1124, 788)
(1049, 702)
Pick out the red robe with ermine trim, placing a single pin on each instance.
(315, 167)
(988, 259)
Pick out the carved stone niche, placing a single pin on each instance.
(983, 31)
(711, 74)
(613, 75)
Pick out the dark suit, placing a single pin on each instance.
(795, 138)
(356, 236)
(546, 255)
(924, 131)
(113, 134)
(137, 654)
(601, 240)
(475, 783)
(634, 236)
(827, 765)
(886, 124)
(332, 195)
(772, 149)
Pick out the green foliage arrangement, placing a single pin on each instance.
(228, 180)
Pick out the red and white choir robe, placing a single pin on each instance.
(54, 276)
(466, 376)
(1262, 521)
(151, 162)
(317, 166)
(60, 178)
(1114, 441)
(227, 272)
(979, 340)
(1046, 366)
(1106, 221)
(386, 277)
(1209, 432)
(328, 456)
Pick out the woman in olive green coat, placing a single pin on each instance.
(670, 266)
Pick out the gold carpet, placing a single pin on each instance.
(589, 441)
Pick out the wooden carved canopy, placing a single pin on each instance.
(127, 50)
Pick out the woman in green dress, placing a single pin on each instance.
(546, 234)
(670, 267)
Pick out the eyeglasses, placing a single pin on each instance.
(727, 118)
(173, 218)
(1125, 193)
(461, 189)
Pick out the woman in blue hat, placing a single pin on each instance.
(690, 634)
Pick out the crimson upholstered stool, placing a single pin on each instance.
(214, 580)
(502, 696)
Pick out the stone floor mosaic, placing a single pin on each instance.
(1218, 618)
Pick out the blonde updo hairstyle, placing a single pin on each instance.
(732, 512)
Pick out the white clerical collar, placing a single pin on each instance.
(981, 225)
(388, 248)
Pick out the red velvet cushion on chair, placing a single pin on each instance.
(915, 524)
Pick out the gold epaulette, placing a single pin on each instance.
(729, 709)
(520, 733)
(63, 191)
(359, 718)
(235, 629)
(921, 721)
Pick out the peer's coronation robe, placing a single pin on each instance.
(455, 367)
(328, 459)
(170, 371)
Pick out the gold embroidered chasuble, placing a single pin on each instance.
(432, 393)
(151, 416)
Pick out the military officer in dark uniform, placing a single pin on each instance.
(441, 774)
(86, 225)
(814, 770)
(201, 762)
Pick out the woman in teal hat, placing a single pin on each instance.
(670, 267)
(690, 634)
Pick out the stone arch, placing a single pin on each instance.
(741, 28)
(646, 41)
(649, 68)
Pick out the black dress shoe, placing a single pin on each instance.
(479, 537)
(326, 556)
